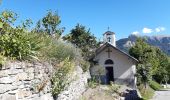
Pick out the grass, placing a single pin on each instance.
(154, 85)
(147, 93)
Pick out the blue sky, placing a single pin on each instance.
(124, 17)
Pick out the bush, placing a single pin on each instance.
(114, 87)
(2, 60)
(60, 78)
(146, 93)
(93, 82)
(18, 45)
(154, 85)
(54, 49)
(85, 66)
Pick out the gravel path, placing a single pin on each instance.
(162, 95)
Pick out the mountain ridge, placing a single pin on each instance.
(160, 41)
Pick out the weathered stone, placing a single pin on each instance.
(6, 87)
(4, 73)
(14, 71)
(30, 70)
(30, 76)
(46, 97)
(6, 80)
(12, 92)
(7, 97)
(23, 93)
(21, 76)
(18, 81)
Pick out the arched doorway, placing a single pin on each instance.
(109, 71)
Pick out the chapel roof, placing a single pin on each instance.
(101, 48)
(108, 33)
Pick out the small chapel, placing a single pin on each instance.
(113, 64)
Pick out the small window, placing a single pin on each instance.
(109, 61)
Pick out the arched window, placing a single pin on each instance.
(109, 61)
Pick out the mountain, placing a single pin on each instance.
(162, 42)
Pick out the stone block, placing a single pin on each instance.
(7, 97)
(21, 94)
(46, 97)
(6, 80)
(13, 71)
(4, 73)
(30, 70)
(6, 87)
(21, 76)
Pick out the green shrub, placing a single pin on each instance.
(85, 66)
(60, 78)
(93, 82)
(18, 45)
(58, 50)
(2, 60)
(114, 88)
(154, 85)
(146, 93)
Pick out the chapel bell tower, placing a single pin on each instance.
(110, 38)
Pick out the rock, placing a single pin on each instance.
(21, 76)
(6, 80)
(4, 73)
(6, 87)
(23, 93)
(46, 97)
(7, 97)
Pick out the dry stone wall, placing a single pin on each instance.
(25, 81)
(77, 86)
(31, 81)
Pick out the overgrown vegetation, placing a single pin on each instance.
(147, 93)
(93, 82)
(114, 88)
(42, 43)
(60, 78)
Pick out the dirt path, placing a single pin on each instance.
(162, 95)
(99, 93)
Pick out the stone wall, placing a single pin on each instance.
(28, 81)
(77, 86)
(31, 81)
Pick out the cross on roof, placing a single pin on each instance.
(108, 28)
(109, 52)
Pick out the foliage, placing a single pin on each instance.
(49, 24)
(83, 39)
(154, 85)
(2, 60)
(59, 80)
(16, 42)
(57, 50)
(93, 82)
(152, 62)
(18, 45)
(147, 93)
(85, 66)
(114, 87)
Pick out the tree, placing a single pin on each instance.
(49, 24)
(153, 63)
(83, 39)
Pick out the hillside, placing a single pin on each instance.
(163, 42)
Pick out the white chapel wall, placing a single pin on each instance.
(124, 67)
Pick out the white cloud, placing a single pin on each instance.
(135, 33)
(159, 29)
(147, 30)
